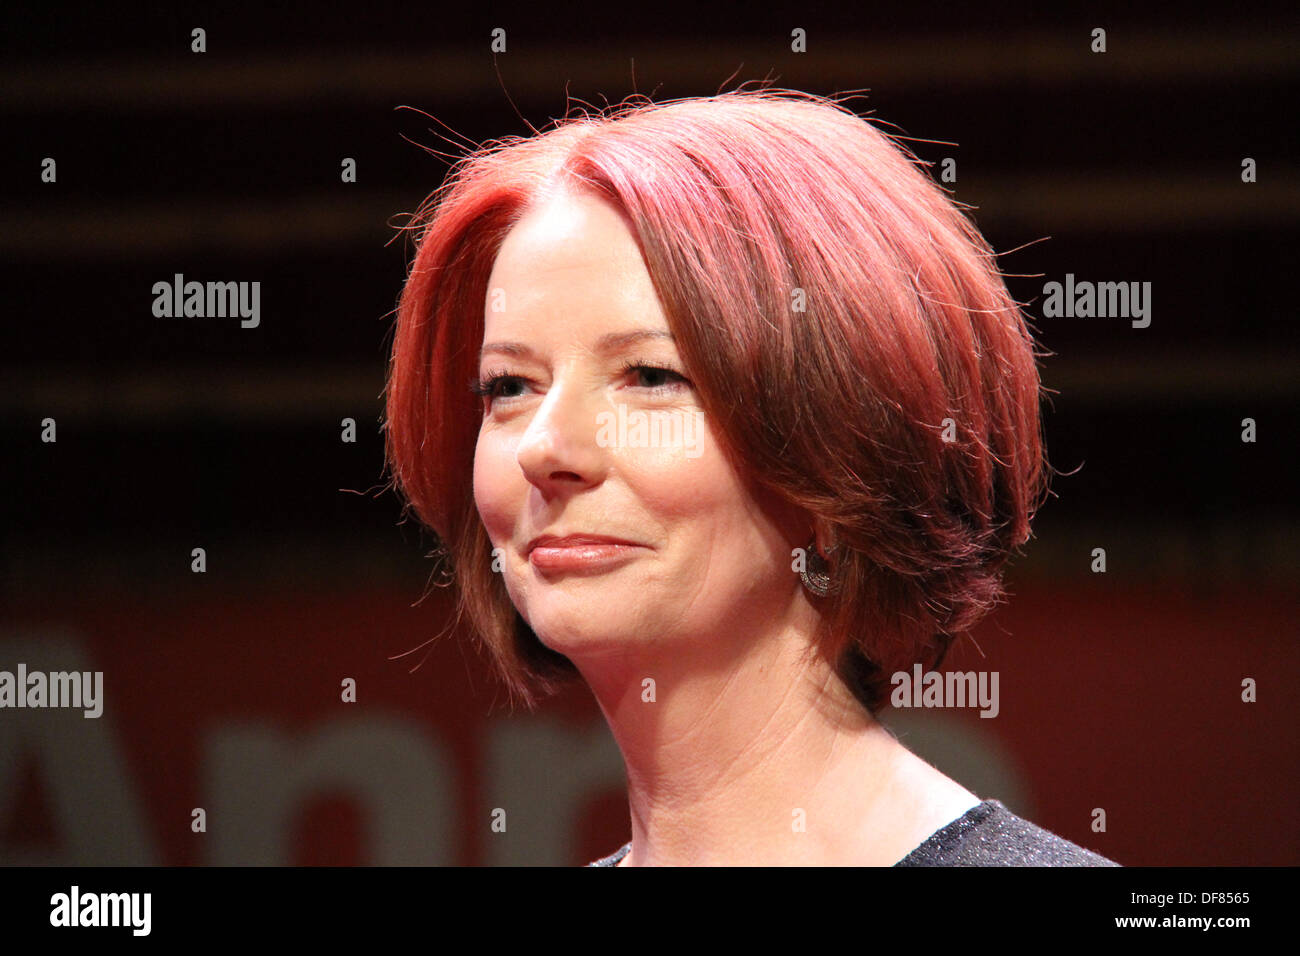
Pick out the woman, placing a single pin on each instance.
(751, 426)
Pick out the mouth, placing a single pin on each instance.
(550, 542)
(580, 554)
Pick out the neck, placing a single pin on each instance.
(767, 759)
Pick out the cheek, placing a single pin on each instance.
(497, 484)
(687, 478)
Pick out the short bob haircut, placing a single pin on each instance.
(851, 340)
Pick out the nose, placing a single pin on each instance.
(559, 449)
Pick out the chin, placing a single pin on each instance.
(569, 627)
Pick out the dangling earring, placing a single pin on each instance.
(816, 575)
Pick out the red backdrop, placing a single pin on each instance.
(1125, 700)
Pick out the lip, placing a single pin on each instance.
(576, 541)
(580, 553)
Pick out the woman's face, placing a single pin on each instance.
(583, 434)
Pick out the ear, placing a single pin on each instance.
(825, 538)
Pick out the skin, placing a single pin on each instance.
(749, 731)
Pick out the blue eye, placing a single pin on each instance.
(486, 387)
(656, 371)
(494, 384)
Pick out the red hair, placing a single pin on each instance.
(847, 329)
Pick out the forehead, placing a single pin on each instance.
(572, 254)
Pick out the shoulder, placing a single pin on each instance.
(986, 835)
(614, 857)
(991, 835)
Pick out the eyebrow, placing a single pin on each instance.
(609, 342)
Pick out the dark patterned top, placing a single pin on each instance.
(985, 835)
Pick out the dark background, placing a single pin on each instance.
(182, 433)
